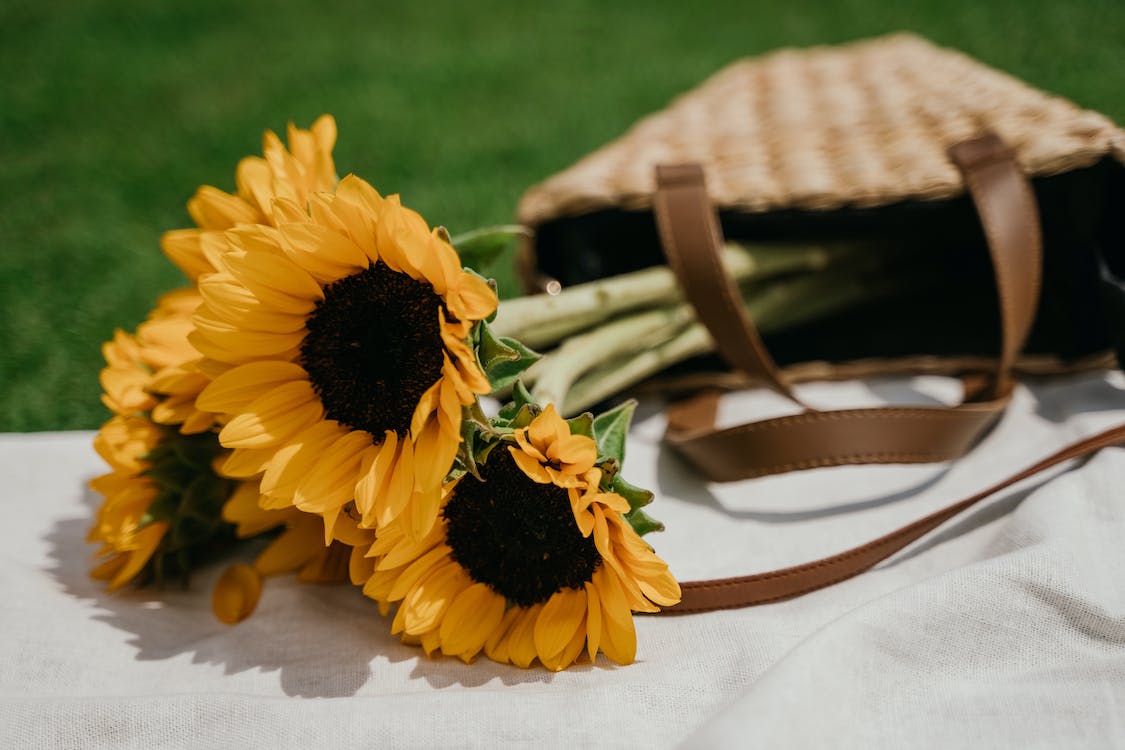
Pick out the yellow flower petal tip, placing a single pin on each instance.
(236, 594)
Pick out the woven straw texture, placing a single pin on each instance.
(864, 124)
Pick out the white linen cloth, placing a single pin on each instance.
(1004, 628)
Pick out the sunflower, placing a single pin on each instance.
(162, 497)
(293, 174)
(533, 560)
(298, 548)
(339, 341)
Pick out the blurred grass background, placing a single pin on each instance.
(111, 113)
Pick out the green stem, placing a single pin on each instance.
(778, 306)
(541, 320)
(557, 371)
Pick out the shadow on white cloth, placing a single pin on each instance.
(322, 640)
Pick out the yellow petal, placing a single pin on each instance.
(232, 348)
(611, 597)
(574, 449)
(407, 550)
(211, 208)
(378, 506)
(287, 211)
(544, 429)
(662, 589)
(400, 487)
(242, 509)
(293, 461)
(360, 193)
(232, 303)
(325, 254)
(331, 566)
(434, 451)
(332, 480)
(525, 445)
(521, 640)
(561, 616)
(183, 248)
(427, 404)
(108, 568)
(145, 543)
(619, 641)
(471, 619)
(430, 641)
(534, 470)
(236, 594)
(360, 225)
(593, 620)
(449, 409)
(367, 486)
(571, 652)
(263, 270)
(438, 556)
(297, 545)
(473, 298)
(428, 601)
(273, 418)
(254, 178)
(244, 463)
(496, 647)
(360, 568)
(198, 422)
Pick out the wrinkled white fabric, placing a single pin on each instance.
(1004, 628)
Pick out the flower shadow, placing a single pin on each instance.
(323, 641)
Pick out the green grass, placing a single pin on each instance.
(111, 113)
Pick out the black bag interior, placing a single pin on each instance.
(1083, 222)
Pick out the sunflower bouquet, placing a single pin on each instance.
(320, 382)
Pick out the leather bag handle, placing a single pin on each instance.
(787, 583)
(692, 238)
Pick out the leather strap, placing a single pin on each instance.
(763, 588)
(692, 238)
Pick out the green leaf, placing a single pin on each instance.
(637, 497)
(526, 413)
(491, 350)
(611, 428)
(504, 373)
(520, 398)
(642, 522)
(583, 424)
(467, 450)
(482, 453)
(481, 247)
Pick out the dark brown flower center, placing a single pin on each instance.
(517, 536)
(373, 348)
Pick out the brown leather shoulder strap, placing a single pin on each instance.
(692, 239)
(763, 588)
(1009, 216)
(690, 232)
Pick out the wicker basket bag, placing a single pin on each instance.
(1016, 198)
